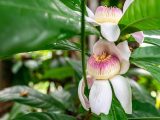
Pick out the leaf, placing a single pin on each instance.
(65, 45)
(29, 96)
(152, 32)
(19, 110)
(141, 94)
(76, 65)
(142, 101)
(45, 116)
(154, 70)
(148, 58)
(141, 15)
(144, 109)
(105, 117)
(59, 73)
(73, 4)
(148, 54)
(153, 41)
(33, 25)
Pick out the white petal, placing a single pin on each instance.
(82, 97)
(126, 5)
(110, 31)
(92, 21)
(139, 37)
(123, 55)
(123, 93)
(90, 81)
(100, 97)
(102, 46)
(124, 49)
(125, 64)
(89, 12)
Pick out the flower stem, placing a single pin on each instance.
(83, 39)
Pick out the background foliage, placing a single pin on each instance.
(43, 84)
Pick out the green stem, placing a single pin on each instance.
(83, 39)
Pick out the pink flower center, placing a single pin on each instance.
(103, 67)
(108, 14)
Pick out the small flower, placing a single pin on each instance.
(106, 64)
(107, 18)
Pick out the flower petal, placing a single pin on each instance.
(123, 55)
(126, 5)
(110, 31)
(100, 46)
(90, 81)
(89, 12)
(125, 64)
(123, 93)
(82, 97)
(139, 37)
(100, 97)
(92, 21)
(124, 49)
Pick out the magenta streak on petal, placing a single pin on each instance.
(102, 64)
(106, 68)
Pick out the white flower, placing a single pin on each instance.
(107, 18)
(107, 63)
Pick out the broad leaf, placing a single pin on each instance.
(65, 45)
(19, 110)
(141, 15)
(149, 59)
(33, 25)
(149, 54)
(73, 4)
(152, 32)
(154, 70)
(45, 116)
(59, 73)
(143, 103)
(29, 96)
(153, 41)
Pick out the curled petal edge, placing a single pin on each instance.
(83, 99)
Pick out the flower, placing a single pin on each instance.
(107, 18)
(105, 66)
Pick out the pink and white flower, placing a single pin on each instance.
(105, 66)
(107, 18)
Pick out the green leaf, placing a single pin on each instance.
(33, 25)
(153, 41)
(45, 116)
(59, 73)
(73, 4)
(65, 45)
(143, 103)
(154, 70)
(77, 66)
(148, 54)
(29, 96)
(144, 109)
(141, 15)
(148, 58)
(152, 32)
(106, 117)
(19, 110)
(141, 94)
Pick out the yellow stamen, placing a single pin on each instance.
(103, 56)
